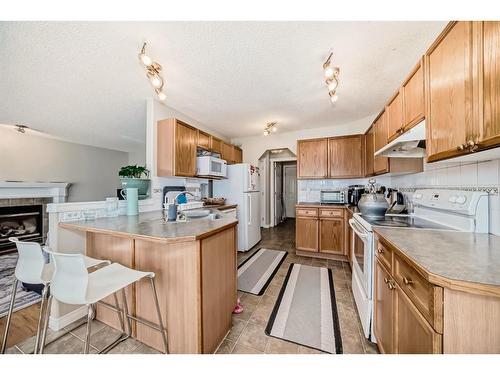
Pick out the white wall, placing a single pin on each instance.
(254, 147)
(92, 171)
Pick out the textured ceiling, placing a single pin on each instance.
(82, 80)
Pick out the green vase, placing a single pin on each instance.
(142, 184)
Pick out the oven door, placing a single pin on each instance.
(361, 255)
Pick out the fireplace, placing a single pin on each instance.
(23, 222)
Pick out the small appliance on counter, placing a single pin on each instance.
(354, 193)
(397, 203)
(333, 197)
(372, 203)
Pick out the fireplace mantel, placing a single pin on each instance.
(58, 191)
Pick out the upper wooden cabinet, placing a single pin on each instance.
(346, 156)
(203, 140)
(312, 158)
(380, 135)
(176, 148)
(237, 155)
(487, 34)
(216, 145)
(395, 119)
(369, 151)
(449, 91)
(413, 91)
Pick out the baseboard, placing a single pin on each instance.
(57, 324)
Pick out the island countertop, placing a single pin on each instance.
(450, 256)
(151, 225)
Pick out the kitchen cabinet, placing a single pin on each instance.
(215, 145)
(312, 158)
(369, 151)
(331, 235)
(413, 89)
(237, 155)
(384, 309)
(380, 134)
(306, 233)
(449, 91)
(227, 152)
(487, 34)
(412, 333)
(346, 156)
(203, 140)
(176, 148)
(395, 120)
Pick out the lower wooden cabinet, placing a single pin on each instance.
(331, 235)
(384, 309)
(306, 233)
(412, 333)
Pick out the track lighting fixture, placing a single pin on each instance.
(331, 78)
(270, 127)
(153, 70)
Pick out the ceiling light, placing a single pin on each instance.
(332, 78)
(270, 127)
(153, 70)
(161, 95)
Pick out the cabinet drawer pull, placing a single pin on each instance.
(386, 280)
(407, 281)
(391, 285)
(380, 250)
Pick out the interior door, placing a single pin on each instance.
(278, 193)
(290, 189)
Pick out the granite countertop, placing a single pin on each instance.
(460, 256)
(151, 225)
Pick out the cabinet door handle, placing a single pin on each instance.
(407, 281)
(391, 285)
(380, 250)
(386, 280)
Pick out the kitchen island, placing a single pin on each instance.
(195, 267)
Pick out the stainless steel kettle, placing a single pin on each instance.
(373, 204)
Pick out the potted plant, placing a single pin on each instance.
(130, 177)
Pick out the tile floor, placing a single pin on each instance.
(247, 334)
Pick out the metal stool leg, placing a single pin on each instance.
(158, 312)
(9, 316)
(87, 336)
(119, 312)
(45, 294)
(125, 309)
(45, 326)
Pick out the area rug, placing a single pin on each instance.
(306, 311)
(256, 272)
(23, 298)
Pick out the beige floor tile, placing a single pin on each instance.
(125, 347)
(268, 300)
(272, 290)
(370, 347)
(254, 337)
(104, 337)
(68, 344)
(95, 327)
(144, 349)
(247, 311)
(277, 346)
(250, 299)
(236, 329)
(13, 350)
(261, 315)
(226, 347)
(351, 343)
(28, 345)
(320, 262)
(241, 349)
(306, 350)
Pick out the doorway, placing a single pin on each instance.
(284, 190)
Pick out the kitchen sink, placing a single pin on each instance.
(196, 214)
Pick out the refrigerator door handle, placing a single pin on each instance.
(249, 210)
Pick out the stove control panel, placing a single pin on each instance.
(460, 201)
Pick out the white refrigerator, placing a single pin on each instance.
(242, 188)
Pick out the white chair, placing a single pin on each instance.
(31, 268)
(72, 284)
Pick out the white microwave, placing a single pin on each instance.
(210, 166)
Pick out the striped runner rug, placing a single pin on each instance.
(306, 311)
(256, 272)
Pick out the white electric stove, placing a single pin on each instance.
(436, 209)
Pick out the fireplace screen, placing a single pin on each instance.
(23, 222)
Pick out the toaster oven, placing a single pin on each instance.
(333, 196)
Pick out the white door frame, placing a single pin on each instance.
(285, 167)
(271, 186)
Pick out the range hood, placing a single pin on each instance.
(408, 145)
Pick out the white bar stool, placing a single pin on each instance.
(73, 285)
(31, 268)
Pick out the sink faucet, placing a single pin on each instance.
(183, 192)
